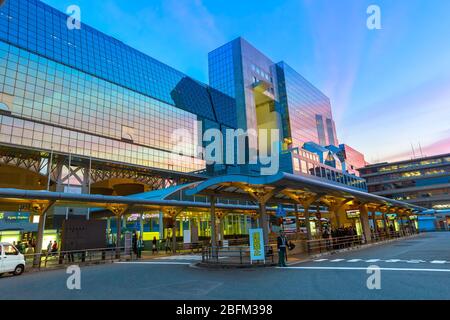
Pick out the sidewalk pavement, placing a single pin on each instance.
(292, 259)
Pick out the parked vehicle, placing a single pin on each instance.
(11, 260)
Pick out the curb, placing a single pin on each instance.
(31, 270)
(202, 265)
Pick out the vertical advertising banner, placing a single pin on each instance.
(187, 236)
(128, 242)
(256, 244)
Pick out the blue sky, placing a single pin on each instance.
(389, 88)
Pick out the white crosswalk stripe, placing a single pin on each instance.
(410, 261)
(337, 260)
(354, 260)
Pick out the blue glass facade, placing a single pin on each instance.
(84, 92)
(41, 29)
(274, 96)
(307, 109)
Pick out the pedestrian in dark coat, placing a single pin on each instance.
(282, 243)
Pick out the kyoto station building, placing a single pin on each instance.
(90, 132)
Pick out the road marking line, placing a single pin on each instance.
(415, 261)
(354, 260)
(372, 260)
(337, 260)
(151, 262)
(191, 257)
(393, 260)
(320, 260)
(438, 261)
(363, 268)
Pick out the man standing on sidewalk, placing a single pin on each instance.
(281, 245)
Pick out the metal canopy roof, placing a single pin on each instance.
(284, 187)
(15, 197)
(285, 183)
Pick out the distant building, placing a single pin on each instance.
(353, 160)
(424, 182)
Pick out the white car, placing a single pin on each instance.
(11, 260)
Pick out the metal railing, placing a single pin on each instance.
(87, 256)
(329, 244)
(234, 255)
(336, 243)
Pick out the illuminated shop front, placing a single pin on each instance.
(355, 217)
(392, 221)
(231, 224)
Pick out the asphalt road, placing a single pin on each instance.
(417, 268)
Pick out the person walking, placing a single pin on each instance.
(134, 241)
(154, 244)
(168, 244)
(281, 245)
(55, 247)
(326, 236)
(49, 247)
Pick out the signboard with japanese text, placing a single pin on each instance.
(256, 244)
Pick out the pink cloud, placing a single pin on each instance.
(441, 146)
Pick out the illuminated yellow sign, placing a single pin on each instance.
(256, 244)
(351, 214)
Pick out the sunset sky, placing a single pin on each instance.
(389, 88)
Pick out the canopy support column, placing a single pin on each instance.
(41, 210)
(297, 218)
(212, 200)
(174, 214)
(119, 211)
(365, 223)
(308, 223)
(263, 222)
